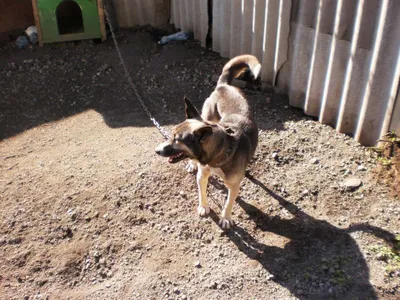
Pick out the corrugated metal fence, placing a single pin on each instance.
(338, 60)
(253, 26)
(191, 15)
(344, 64)
(140, 12)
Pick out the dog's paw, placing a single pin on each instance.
(203, 211)
(191, 167)
(225, 223)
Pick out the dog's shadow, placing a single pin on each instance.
(320, 261)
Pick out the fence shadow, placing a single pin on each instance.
(321, 261)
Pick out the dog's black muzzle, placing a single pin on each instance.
(166, 150)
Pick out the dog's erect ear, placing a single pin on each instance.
(203, 133)
(190, 110)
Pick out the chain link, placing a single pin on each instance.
(164, 133)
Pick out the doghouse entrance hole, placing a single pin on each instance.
(69, 17)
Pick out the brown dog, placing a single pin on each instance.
(222, 140)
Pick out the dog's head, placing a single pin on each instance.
(188, 139)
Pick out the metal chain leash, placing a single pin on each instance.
(164, 133)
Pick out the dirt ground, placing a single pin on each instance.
(88, 211)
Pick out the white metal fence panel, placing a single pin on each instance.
(191, 15)
(395, 114)
(259, 27)
(139, 12)
(344, 64)
(338, 60)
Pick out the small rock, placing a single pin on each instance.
(15, 241)
(97, 256)
(270, 277)
(382, 257)
(103, 68)
(314, 278)
(314, 161)
(177, 291)
(222, 286)
(300, 292)
(67, 232)
(275, 155)
(361, 168)
(213, 285)
(103, 273)
(42, 282)
(352, 183)
(305, 192)
(183, 297)
(359, 197)
(197, 264)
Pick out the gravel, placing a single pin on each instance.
(75, 140)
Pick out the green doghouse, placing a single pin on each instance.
(68, 20)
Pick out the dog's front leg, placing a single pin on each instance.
(203, 174)
(226, 216)
(191, 167)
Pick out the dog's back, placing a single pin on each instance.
(226, 99)
(228, 107)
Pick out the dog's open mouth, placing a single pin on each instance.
(177, 157)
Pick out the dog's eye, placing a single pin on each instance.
(189, 138)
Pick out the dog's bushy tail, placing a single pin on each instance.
(238, 65)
